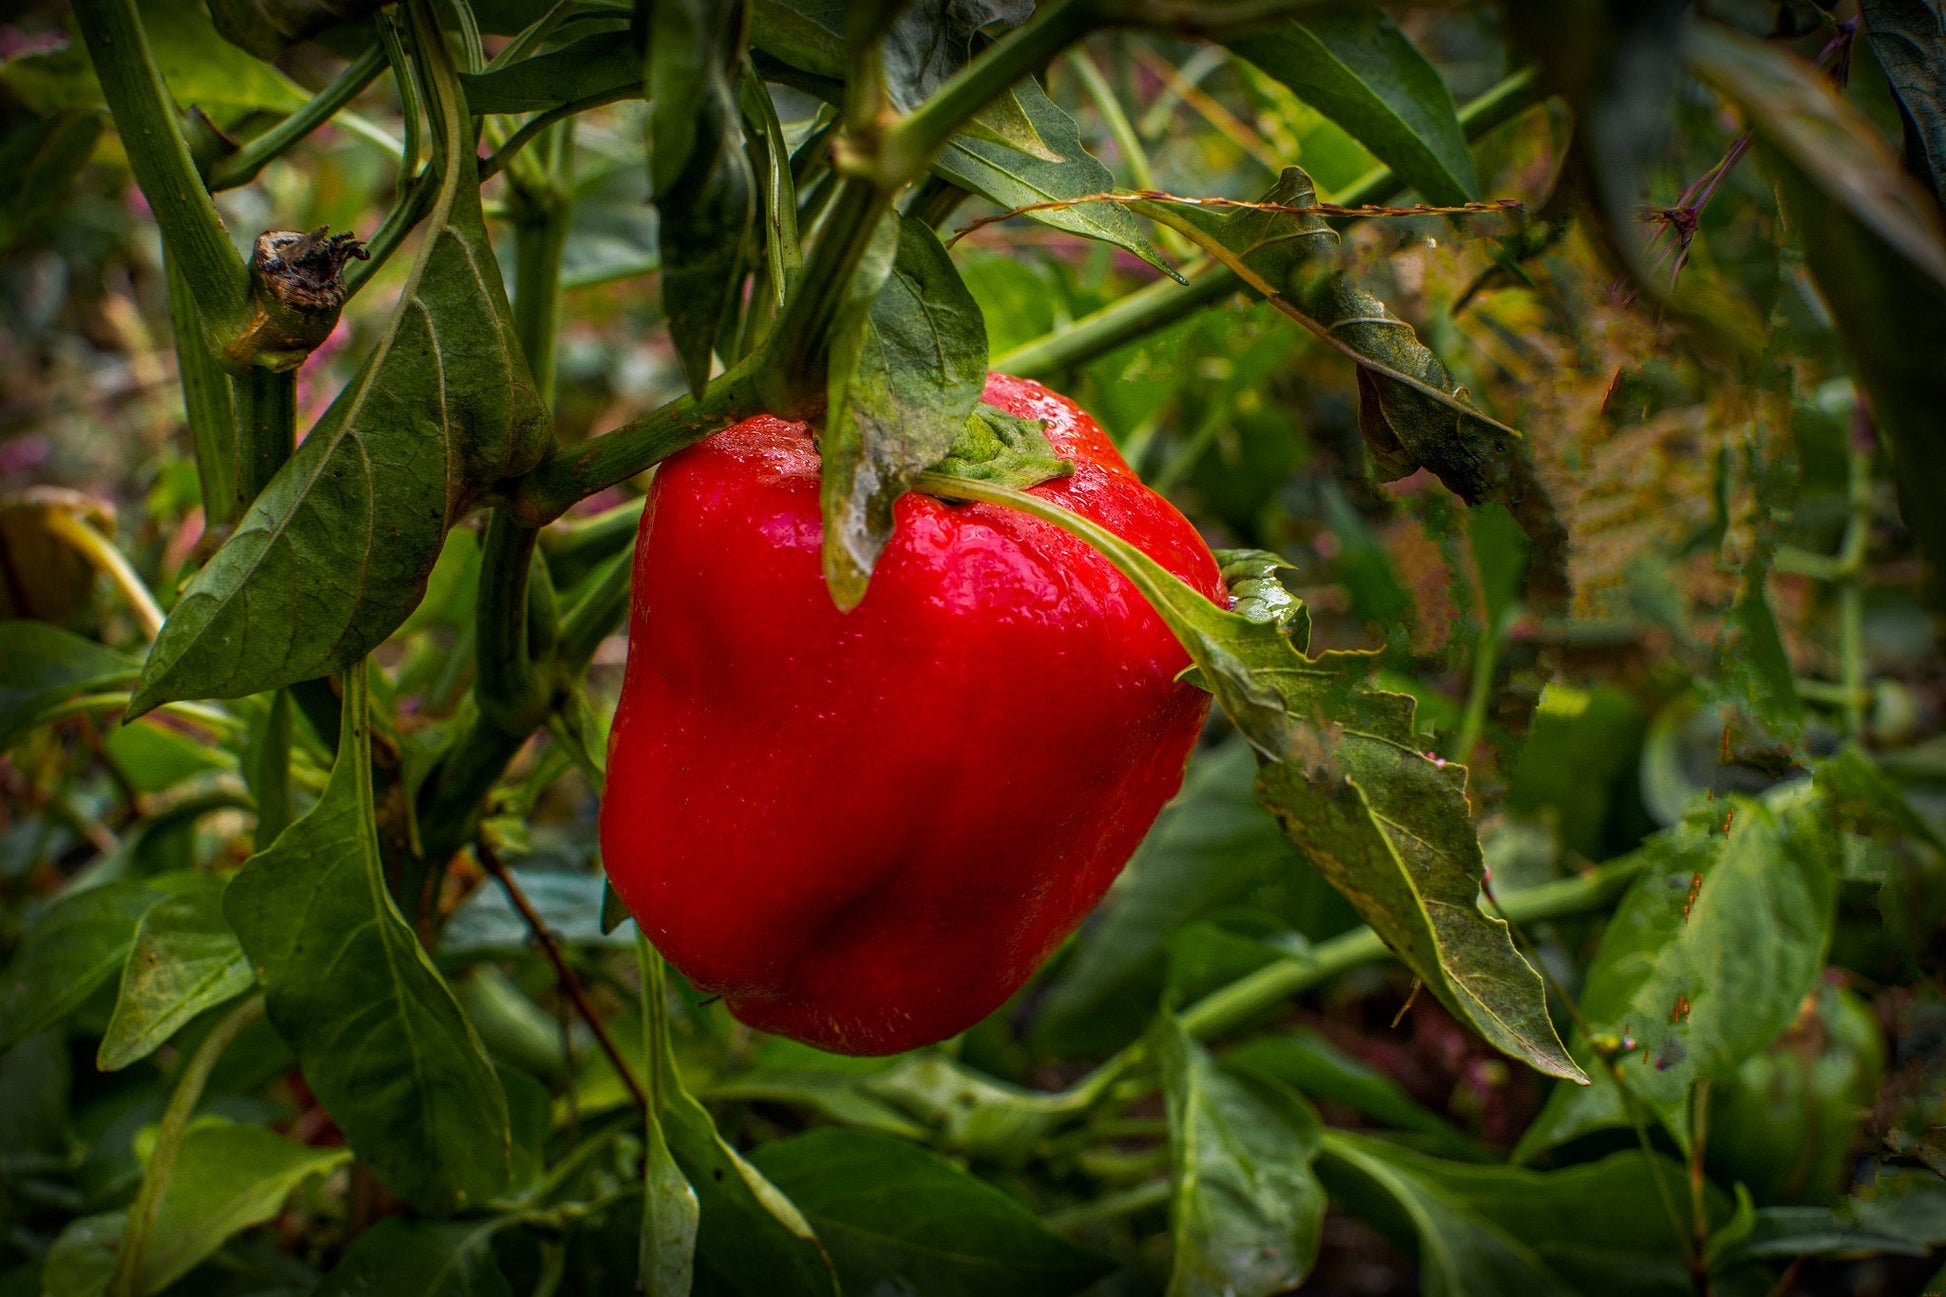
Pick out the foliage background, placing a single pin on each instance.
(1745, 684)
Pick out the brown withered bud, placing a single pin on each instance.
(299, 289)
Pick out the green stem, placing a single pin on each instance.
(145, 117)
(109, 561)
(1162, 302)
(601, 462)
(241, 167)
(408, 209)
(794, 384)
(541, 211)
(128, 1280)
(910, 147)
(1250, 996)
(512, 693)
(533, 126)
(393, 29)
(1120, 128)
(1851, 593)
(596, 614)
(206, 403)
(1111, 1206)
(266, 429)
(1479, 694)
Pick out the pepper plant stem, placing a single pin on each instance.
(241, 167)
(145, 118)
(567, 476)
(541, 206)
(207, 403)
(509, 686)
(1268, 987)
(266, 429)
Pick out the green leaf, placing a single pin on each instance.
(1413, 413)
(1246, 1209)
(1001, 171)
(336, 552)
(42, 666)
(1755, 666)
(751, 1237)
(1864, 799)
(1598, 1227)
(81, 1262)
(1909, 39)
(593, 70)
(1304, 1060)
(421, 1257)
(1359, 70)
(269, 27)
(908, 364)
(76, 944)
(39, 161)
(382, 1041)
(705, 188)
(1875, 244)
(267, 768)
(1256, 593)
(200, 67)
(184, 960)
(1706, 960)
(671, 1215)
(1022, 149)
(227, 1177)
(781, 251)
(897, 1218)
(1348, 777)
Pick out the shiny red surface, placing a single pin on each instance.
(866, 830)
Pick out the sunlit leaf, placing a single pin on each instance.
(1359, 70)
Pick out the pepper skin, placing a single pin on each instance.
(865, 830)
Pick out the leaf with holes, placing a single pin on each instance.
(1346, 774)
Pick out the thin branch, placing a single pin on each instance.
(570, 982)
(1281, 209)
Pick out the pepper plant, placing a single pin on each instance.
(1554, 903)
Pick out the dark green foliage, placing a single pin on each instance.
(1578, 677)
